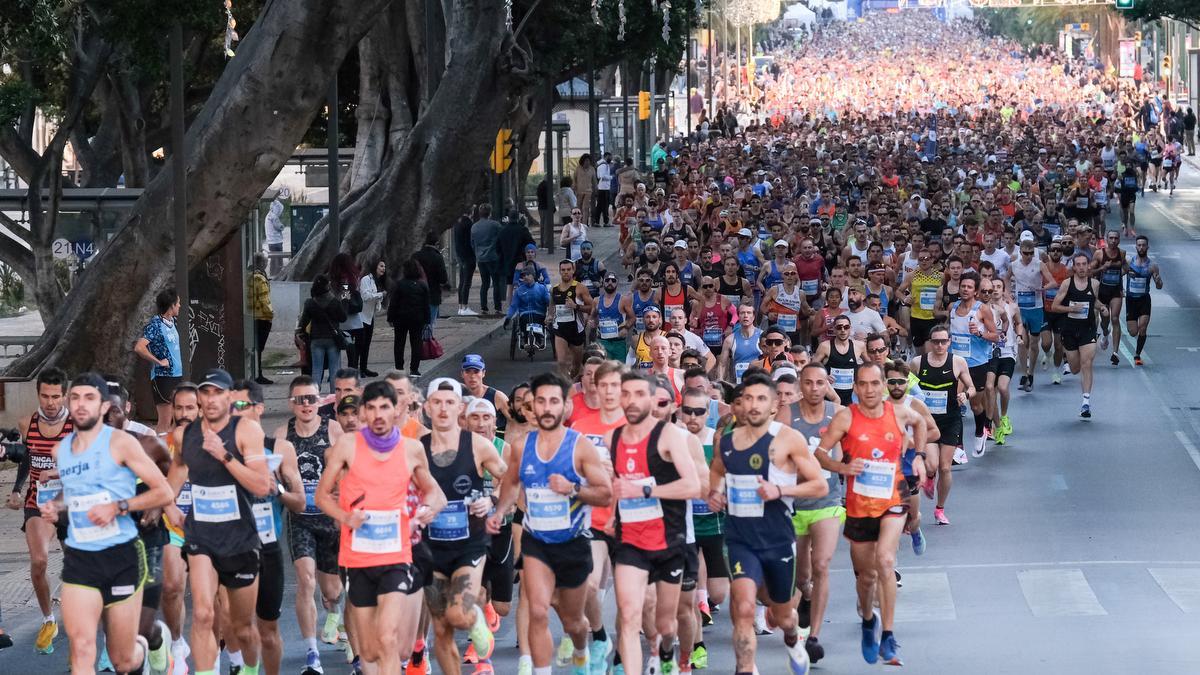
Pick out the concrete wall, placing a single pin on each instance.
(287, 299)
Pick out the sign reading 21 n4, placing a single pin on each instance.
(83, 249)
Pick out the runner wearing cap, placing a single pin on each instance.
(750, 257)
(689, 272)
(347, 413)
(474, 370)
(785, 307)
(458, 541)
(643, 296)
(640, 356)
(1031, 277)
(496, 585)
(223, 458)
(104, 561)
(612, 317)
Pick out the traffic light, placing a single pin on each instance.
(1137, 36)
(643, 105)
(502, 154)
(1124, 4)
(1166, 65)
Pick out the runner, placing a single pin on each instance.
(1054, 321)
(841, 356)
(571, 302)
(185, 404)
(761, 468)
(371, 508)
(785, 307)
(474, 370)
(285, 492)
(1138, 273)
(741, 347)
(559, 474)
(639, 357)
(1108, 268)
(1031, 277)
(655, 476)
(972, 336)
(1077, 299)
(104, 561)
(815, 520)
(913, 466)
(223, 458)
(612, 316)
(312, 536)
(873, 441)
(41, 432)
(710, 316)
(458, 541)
(946, 380)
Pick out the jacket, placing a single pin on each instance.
(321, 315)
(430, 259)
(372, 295)
(409, 302)
(484, 235)
(260, 296)
(514, 236)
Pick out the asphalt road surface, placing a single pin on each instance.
(1073, 548)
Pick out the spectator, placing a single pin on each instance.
(514, 237)
(485, 234)
(260, 310)
(320, 318)
(1189, 131)
(373, 289)
(434, 265)
(585, 184)
(565, 200)
(274, 226)
(159, 345)
(465, 254)
(604, 192)
(408, 313)
(344, 276)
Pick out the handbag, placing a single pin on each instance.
(430, 347)
(341, 338)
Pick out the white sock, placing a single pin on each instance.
(312, 643)
(525, 658)
(1087, 398)
(702, 595)
(49, 618)
(179, 643)
(541, 671)
(235, 659)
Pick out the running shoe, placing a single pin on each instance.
(312, 663)
(804, 612)
(668, 667)
(919, 543)
(980, 446)
(45, 637)
(580, 666)
(598, 656)
(870, 639)
(618, 669)
(524, 666)
(467, 311)
(798, 659)
(1006, 425)
(960, 456)
(5, 640)
(815, 651)
(421, 667)
(1085, 411)
(159, 660)
(492, 616)
(1103, 342)
(1056, 378)
(760, 622)
(939, 515)
(484, 642)
(999, 436)
(699, 660)
(1024, 382)
(927, 488)
(356, 666)
(1066, 369)
(329, 633)
(104, 664)
(566, 649)
(180, 652)
(484, 668)
(1114, 359)
(889, 651)
(1137, 360)
(470, 656)
(705, 613)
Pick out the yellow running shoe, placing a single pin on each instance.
(45, 637)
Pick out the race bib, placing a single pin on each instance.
(742, 496)
(1051, 292)
(563, 314)
(960, 345)
(264, 522)
(609, 329)
(546, 510)
(535, 328)
(936, 401)
(82, 528)
(1138, 285)
(1079, 309)
(380, 533)
(49, 491)
(713, 336)
(810, 286)
(739, 369)
(184, 500)
(1168, 163)
(928, 298)
(843, 378)
(640, 509)
(215, 504)
(1026, 299)
(787, 323)
(877, 480)
(1081, 202)
(451, 523)
(700, 507)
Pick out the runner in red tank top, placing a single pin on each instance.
(873, 440)
(655, 476)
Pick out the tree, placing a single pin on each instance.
(248, 126)
(1186, 11)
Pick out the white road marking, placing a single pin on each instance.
(1053, 593)
(1064, 563)
(1181, 584)
(925, 597)
(1189, 446)
(1178, 222)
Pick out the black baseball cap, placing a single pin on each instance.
(348, 402)
(216, 377)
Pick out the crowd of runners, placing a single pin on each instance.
(806, 307)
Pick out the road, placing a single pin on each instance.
(1070, 549)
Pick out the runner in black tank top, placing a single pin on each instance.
(841, 365)
(456, 538)
(220, 523)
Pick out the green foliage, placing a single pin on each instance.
(1187, 11)
(1032, 25)
(12, 291)
(15, 95)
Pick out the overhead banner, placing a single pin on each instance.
(1128, 57)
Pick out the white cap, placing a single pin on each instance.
(444, 384)
(745, 232)
(1027, 236)
(481, 405)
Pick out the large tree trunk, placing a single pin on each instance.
(257, 112)
(433, 164)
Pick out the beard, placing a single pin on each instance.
(636, 415)
(85, 423)
(853, 304)
(549, 422)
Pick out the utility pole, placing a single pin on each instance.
(179, 203)
(331, 137)
(548, 215)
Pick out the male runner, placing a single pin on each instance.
(104, 561)
(1078, 298)
(41, 433)
(639, 355)
(345, 383)
(572, 304)
(1138, 273)
(816, 520)
(474, 370)
(224, 460)
(761, 468)
(946, 380)
(312, 536)
(497, 582)
(612, 316)
(973, 336)
(285, 492)
(913, 466)
(457, 537)
(873, 441)
(708, 526)
(559, 474)
(1030, 278)
(371, 507)
(655, 476)
(185, 406)
(741, 346)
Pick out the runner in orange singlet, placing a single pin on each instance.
(873, 441)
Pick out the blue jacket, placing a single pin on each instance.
(529, 299)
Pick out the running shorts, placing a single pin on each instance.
(498, 569)
(802, 520)
(616, 350)
(270, 583)
(1054, 322)
(1107, 293)
(1136, 308)
(713, 549)
(117, 572)
(1074, 338)
(162, 387)
(691, 567)
(316, 537)
(665, 565)
(979, 374)
(570, 561)
(1005, 367)
(449, 557)
(951, 429)
(152, 593)
(866, 530)
(921, 329)
(236, 570)
(60, 527)
(1034, 319)
(366, 584)
(773, 569)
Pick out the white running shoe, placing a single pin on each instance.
(1104, 342)
(960, 456)
(980, 446)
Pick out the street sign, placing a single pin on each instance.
(61, 249)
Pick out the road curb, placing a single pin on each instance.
(451, 363)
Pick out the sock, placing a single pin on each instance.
(867, 623)
(179, 643)
(155, 640)
(235, 658)
(49, 618)
(1141, 342)
(885, 635)
(250, 670)
(1087, 399)
(980, 423)
(599, 635)
(790, 637)
(702, 596)
(666, 649)
(616, 658)
(311, 643)
(579, 656)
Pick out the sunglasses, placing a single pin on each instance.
(241, 405)
(664, 403)
(940, 341)
(305, 399)
(845, 327)
(707, 286)
(694, 412)
(774, 342)
(897, 382)
(878, 350)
